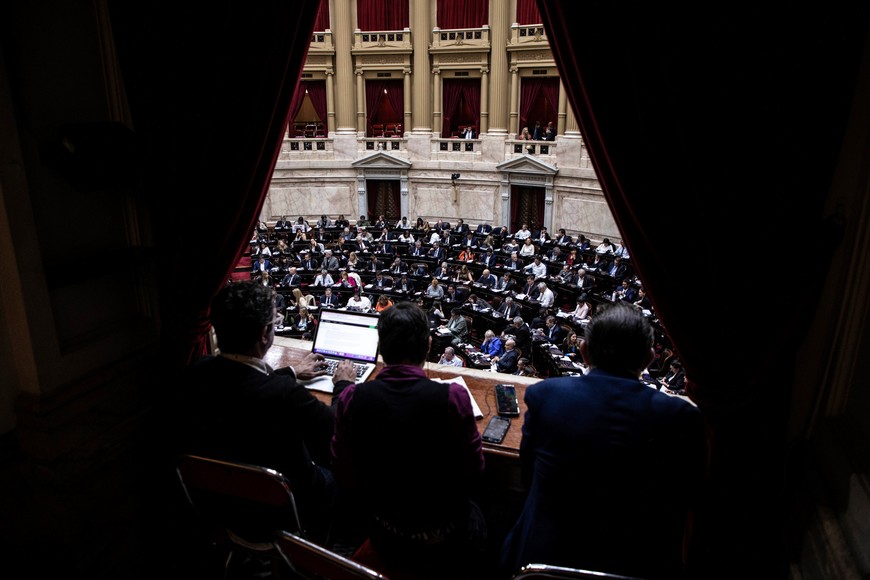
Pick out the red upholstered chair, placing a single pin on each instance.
(310, 560)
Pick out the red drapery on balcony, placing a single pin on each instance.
(381, 15)
(322, 21)
(462, 13)
(455, 93)
(527, 12)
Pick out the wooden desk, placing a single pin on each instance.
(288, 351)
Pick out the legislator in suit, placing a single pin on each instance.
(611, 465)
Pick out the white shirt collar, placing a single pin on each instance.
(251, 361)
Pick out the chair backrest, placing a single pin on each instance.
(313, 561)
(248, 501)
(548, 572)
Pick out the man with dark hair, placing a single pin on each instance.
(234, 406)
(415, 492)
(596, 454)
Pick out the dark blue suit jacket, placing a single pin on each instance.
(611, 466)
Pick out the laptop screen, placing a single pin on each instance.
(347, 334)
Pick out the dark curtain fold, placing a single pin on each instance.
(295, 105)
(462, 13)
(396, 98)
(451, 93)
(374, 94)
(749, 107)
(322, 21)
(375, 15)
(529, 89)
(527, 12)
(210, 88)
(317, 94)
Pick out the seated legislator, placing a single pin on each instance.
(405, 284)
(514, 262)
(383, 303)
(434, 289)
(612, 466)
(359, 302)
(491, 344)
(458, 326)
(235, 407)
(508, 308)
(489, 259)
(487, 279)
(505, 284)
(449, 358)
(408, 455)
(507, 361)
(329, 300)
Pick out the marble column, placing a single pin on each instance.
(406, 98)
(343, 27)
(484, 101)
(500, 24)
(360, 102)
(514, 123)
(437, 102)
(330, 102)
(421, 99)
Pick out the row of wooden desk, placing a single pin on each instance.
(289, 351)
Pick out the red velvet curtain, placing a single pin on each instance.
(396, 97)
(455, 92)
(374, 94)
(317, 94)
(382, 14)
(376, 90)
(527, 12)
(322, 21)
(210, 87)
(451, 91)
(529, 89)
(749, 107)
(462, 13)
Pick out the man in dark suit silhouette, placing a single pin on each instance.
(236, 407)
(329, 300)
(601, 447)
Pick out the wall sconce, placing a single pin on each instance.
(453, 178)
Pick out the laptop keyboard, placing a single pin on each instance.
(332, 364)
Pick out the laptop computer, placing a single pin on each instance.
(345, 334)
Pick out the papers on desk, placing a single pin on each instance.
(460, 381)
(322, 383)
(442, 332)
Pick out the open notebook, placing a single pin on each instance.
(345, 334)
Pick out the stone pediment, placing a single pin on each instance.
(381, 160)
(527, 164)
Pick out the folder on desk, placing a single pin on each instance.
(478, 414)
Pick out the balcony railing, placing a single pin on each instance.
(473, 37)
(531, 34)
(387, 40)
(519, 146)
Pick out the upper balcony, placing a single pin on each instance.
(373, 42)
(528, 36)
(460, 40)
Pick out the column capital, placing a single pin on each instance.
(484, 70)
(436, 71)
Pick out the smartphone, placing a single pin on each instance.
(496, 429)
(506, 401)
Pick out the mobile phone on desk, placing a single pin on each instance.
(496, 429)
(506, 400)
